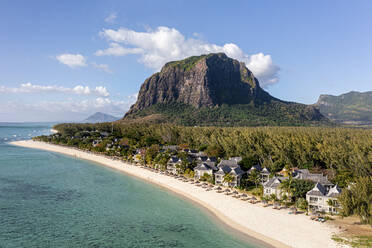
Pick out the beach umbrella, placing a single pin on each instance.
(243, 195)
(218, 188)
(253, 198)
(235, 192)
(264, 201)
(227, 190)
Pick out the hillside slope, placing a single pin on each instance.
(350, 108)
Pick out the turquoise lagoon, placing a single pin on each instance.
(52, 200)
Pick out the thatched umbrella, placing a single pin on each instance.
(294, 210)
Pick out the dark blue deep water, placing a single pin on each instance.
(51, 200)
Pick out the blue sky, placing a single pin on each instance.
(64, 60)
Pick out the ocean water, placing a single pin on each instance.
(52, 200)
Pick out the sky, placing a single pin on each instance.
(65, 60)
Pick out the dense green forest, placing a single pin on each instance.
(341, 153)
(274, 114)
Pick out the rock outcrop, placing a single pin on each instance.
(207, 82)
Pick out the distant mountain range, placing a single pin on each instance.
(353, 108)
(100, 117)
(214, 90)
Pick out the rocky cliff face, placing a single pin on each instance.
(207, 80)
(213, 89)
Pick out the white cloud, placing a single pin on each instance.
(72, 60)
(102, 67)
(33, 88)
(111, 18)
(117, 50)
(165, 44)
(65, 110)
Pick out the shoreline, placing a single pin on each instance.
(273, 227)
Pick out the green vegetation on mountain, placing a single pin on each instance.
(350, 108)
(214, 90)
(274, 114)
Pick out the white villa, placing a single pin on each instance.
(272, 187)
(231, 167)
(264, 172)
(205, 168)
(172, 165)
(318, 198)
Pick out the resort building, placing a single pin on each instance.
(264, 172)
(173, 165)
(205, 168)
(272, 187)
(231, 167)
(304, 174)
(319, 199)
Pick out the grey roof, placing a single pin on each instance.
(206, 166)
(237, 159)
(273, 182)
(230, 163)
(318, 190)
(255, 167)
(202, 158)
(233, 170)
(306, 175)
(334, 191)
(172, 148)
(173, 159)
(220, 172)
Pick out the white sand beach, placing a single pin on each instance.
(275, 227)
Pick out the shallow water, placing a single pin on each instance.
(51, 200)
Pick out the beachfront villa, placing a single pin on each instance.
(231, 167)
(264, 172)
(272, 187)
(172, 165)
(203, 168)
(319, 198)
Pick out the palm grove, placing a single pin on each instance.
(344, 155)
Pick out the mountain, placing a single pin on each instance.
(350, 108)
(100, 117)
(214, 89)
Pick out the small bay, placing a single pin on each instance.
(52, 200)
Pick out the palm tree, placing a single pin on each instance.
(228, 178)
(254, 177)
(285, 199)
(286, 188)
(273, 198)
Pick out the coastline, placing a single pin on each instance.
(274, 227)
